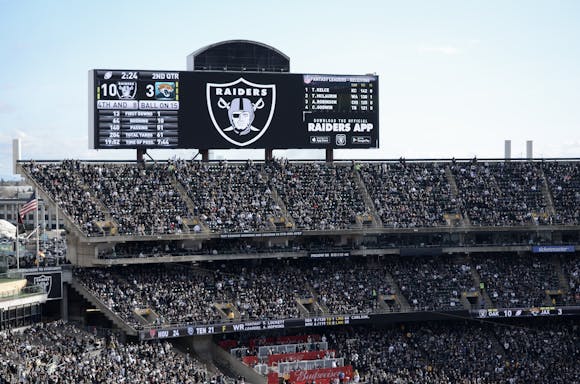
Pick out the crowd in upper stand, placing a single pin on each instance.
(274, 289)
(501, 194)
(564, 183)
(246, 197)
(228, 198)
(63, 353)
(142, 200)
(64, 182)
(462, 353)
(318, 196)
(409, 194)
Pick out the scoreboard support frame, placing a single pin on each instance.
(329, 155)
(141, 152)
(204, 155)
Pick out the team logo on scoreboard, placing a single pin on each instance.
(241, 111)
(127, 89)
(44, 281)
(165, 90)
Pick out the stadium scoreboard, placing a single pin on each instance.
(223, 110)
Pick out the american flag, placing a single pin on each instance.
(29, 206)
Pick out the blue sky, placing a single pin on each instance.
(457, 78)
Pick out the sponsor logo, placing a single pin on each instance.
(320, 139)
(44, 281)
(190, 331)
(152, 332)
(163, 334)
(126, 89)
(341, 140)
(320, 374)
(241, 111)
(361, 139)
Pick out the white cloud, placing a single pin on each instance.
(6, 108)
(571, 149)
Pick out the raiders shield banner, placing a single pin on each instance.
(50, 281)
(241, 111)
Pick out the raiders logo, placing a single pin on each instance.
(44, 281)
(241, 111)
(126, 89)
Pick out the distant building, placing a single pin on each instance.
(12, 197)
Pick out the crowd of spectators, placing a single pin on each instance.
(184, 294)
(228, 197)
(64, 183)
(407, 195)
(60, 352)
(350, 287)
(275, 289)
(160, 198)
(176, 294)
(564, 182)
(432, 283)
(513, 281)
(501, 193)
(462, 353)
(571, 267)
(318, 196)
(141, 199)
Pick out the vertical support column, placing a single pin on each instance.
(268, 154)
(64, 303)
(329, 155)
(140, 153)
(204, 155)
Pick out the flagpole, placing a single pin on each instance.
(17, 245)
(37, 233)
(43, 227)
(57, 236)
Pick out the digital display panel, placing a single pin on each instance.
(223, 110)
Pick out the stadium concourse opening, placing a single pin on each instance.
(277, 271)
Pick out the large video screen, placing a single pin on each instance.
(222, 110)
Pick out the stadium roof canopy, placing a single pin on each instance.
(238, 55)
